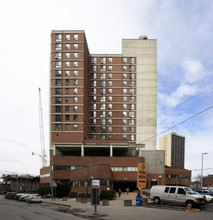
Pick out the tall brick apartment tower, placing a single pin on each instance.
(100, 109)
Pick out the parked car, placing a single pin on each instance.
(8, 195)
(33, 198)
(18, 195)
(176, 195)
(206, 193)
(23, 197)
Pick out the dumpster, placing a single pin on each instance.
(139, 199)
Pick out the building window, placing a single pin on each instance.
(102, 114)
(103, 137)
(124, 129)
(75, 46)
(110, 114)
(67, 36)
(94, 68)
(103, 98)
(67, 108)
(131, 91)
(131, 106)
(94, 121)
(124, 67)
(109, 121)
(131, 98)
(67, 90)
(75, 126)
(110, 98)
(124, 106)
(58, 91)
(124, 90)
(125, 60)
(75, 36)
(110, 83)
(131, 68)
(125, 83)
(75, 99)
(75, 64)
(93, 91)
(57, 100)
(75, 72)
(94, 75)
(93, 136)
(103, 59)
(58, 55)
(110, 90)
(67, 46)
(110, 75)
(131, 60)
(103, 106)
(94, 114)
(131, 114)
(75, 117)
(75, 55)
(93, 106)
(58, 64)
(103, 75)
(94, 83)
(58, 73)
(103, 91)
(75, 108)
(103, 121)
(93, 60)
(131, 75)
(57, 108)
(75, 81)
(58, 127)
(103, 68)
(58, 82)
(110, 68)
(109, 137)
(124, 137)
(131, 122)
(124, 114)
(125, 75)
(67, 55)
(58, 37)
(110, 106)
(124, 121)
(58, 118)
(67, 64)
(67, 117)
(110, 129)
(67, 126)
(110, 59)
(132, 83)
(131, 129)
(67, 99)
(67, 81)
(58, 46)
(75, 90)
(131, 137)
(67, 73)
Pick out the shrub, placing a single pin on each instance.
(107, 195)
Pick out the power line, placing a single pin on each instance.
(176, 105)
(177, 124)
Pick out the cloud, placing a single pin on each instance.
(193, 70)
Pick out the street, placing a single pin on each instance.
(58, 209)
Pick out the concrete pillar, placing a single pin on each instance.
(111, 151)
(82, 150)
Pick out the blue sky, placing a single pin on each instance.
(183, 29)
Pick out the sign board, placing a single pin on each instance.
(141, 175)
(95, 184)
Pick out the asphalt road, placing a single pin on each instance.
(15, 210)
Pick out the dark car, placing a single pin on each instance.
(8, 195)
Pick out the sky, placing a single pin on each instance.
(184, 33)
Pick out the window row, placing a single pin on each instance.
(58, 91)
(58, 108)
(67, 46)
(109, 129)
(103, 98)
(104, 106)
(58, 82)
(58, 73)
(58, 37)
(110, 68)
(110, 75)
(67, 55)
(67, 117)
(58, 64)
(58, 127)
(110, 60)
(110, 137)
(124, 169)
(131, 121)
(103, 113)
(74, 99)
(110, 83)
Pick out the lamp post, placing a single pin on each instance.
(201, 182)
(160, 180)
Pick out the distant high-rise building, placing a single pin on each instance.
(102, 105)
(174, 147)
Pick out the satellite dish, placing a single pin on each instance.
(143, 37)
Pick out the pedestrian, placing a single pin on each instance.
(119, 192)
(127, 190)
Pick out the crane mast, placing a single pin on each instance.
(43, 154)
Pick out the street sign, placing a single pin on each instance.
(142, 175)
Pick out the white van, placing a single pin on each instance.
(176, 195)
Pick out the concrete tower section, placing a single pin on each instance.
(145, 51)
